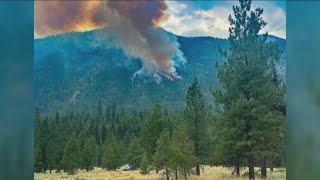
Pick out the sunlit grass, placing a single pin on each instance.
(210, 173)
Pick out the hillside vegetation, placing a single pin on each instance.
(69, 75)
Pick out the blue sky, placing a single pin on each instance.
(210, 4)
(210, 18)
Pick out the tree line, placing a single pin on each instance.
(245, 126)
(146, 140)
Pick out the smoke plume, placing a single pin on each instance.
(135, 24)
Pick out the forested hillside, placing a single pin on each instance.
(73, 76)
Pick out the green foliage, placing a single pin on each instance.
(195, 117)
(144, 166)
(152, 130)
(182, 151)
(69, 75)
(252, 94)
(161, 158)
(89, 154)
(103, 133)
(40, 146)
(112, 156)
(134, 153)
(38, 162)
(71, 156)
(50, 155)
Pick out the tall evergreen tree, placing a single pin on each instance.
(42, 136)
(134, 153)
(144, 166)
(88, 154)
(152, 130)
(62, 136)
(71, 156)
(103, 133)
(194, 114)
(176, 160)
(111, 158)
(38, 162)
(183, 151)
(50, 152)
(99, 155)
(249, 91)
(162, 155)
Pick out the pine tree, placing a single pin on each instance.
(162, 155)
(240, 130)
(38, 162)
(144, 166)
(61, 137)
(111, 158)
(194, 114)
(88, 154)
(96, 132)
(152, 130)
(42, 136)
(71, 156)
(182, 151)
(134, 153)
(176, 161)
(50, 152)
(103, 133)
(249, 90)
(99, 154)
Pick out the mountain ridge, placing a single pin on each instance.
(74, 70)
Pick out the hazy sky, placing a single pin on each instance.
(210, 18)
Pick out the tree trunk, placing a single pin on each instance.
(176, 174)
(264, 169)
(167, 173)
(157, 170)
(198, 170)
(238, 170)
(251, 170)
(271, 166)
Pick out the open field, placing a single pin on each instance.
(210, 173)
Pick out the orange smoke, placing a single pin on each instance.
(54, 17)
(135, 24)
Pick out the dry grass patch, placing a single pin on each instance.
(210, 173)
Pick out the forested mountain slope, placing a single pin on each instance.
(73, 71)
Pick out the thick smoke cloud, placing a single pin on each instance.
(54, 17)
(135, 24)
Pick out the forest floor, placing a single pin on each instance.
(209, 173)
